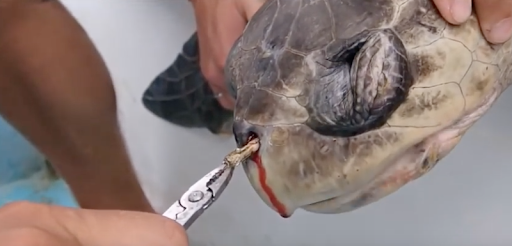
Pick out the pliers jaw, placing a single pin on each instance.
(200, 196)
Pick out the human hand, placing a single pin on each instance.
(219, 24)
(494, 16)
(31, 224)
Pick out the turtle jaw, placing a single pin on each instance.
(283, 173)
(297, 168)
(257, 175)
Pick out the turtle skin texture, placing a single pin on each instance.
(180, 95)
(353, 99)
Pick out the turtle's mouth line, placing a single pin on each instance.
(262, 178)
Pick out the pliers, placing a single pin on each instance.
(200, 196)
(207, 190)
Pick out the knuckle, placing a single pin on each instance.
(211, 74)
(225, 103)
(220, 62)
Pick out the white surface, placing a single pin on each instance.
(463, 201)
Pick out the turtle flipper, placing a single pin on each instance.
(181, 95)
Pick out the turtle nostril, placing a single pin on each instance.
(243, 132)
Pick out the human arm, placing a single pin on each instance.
(56, 90)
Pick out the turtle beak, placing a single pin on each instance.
(243, 132)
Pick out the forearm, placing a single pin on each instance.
(56, 90)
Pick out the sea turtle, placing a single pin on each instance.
(352, 99)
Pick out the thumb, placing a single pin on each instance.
(495, 18)
(127, 228)
(249, 7)
(454, 11)
(39, 222)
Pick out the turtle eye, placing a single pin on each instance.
(347, 55)
(369, 80)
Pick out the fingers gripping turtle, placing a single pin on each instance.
(181, 95)
(368, 80)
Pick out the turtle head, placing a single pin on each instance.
(307, 104)
(308, 132)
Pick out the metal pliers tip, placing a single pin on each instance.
(200, 196)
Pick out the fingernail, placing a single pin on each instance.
(460, 10)
(501, 31)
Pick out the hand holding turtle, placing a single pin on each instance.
(219, 24)
(495, 16)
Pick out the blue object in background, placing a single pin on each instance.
(24, 174)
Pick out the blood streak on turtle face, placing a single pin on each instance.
(272, 198)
